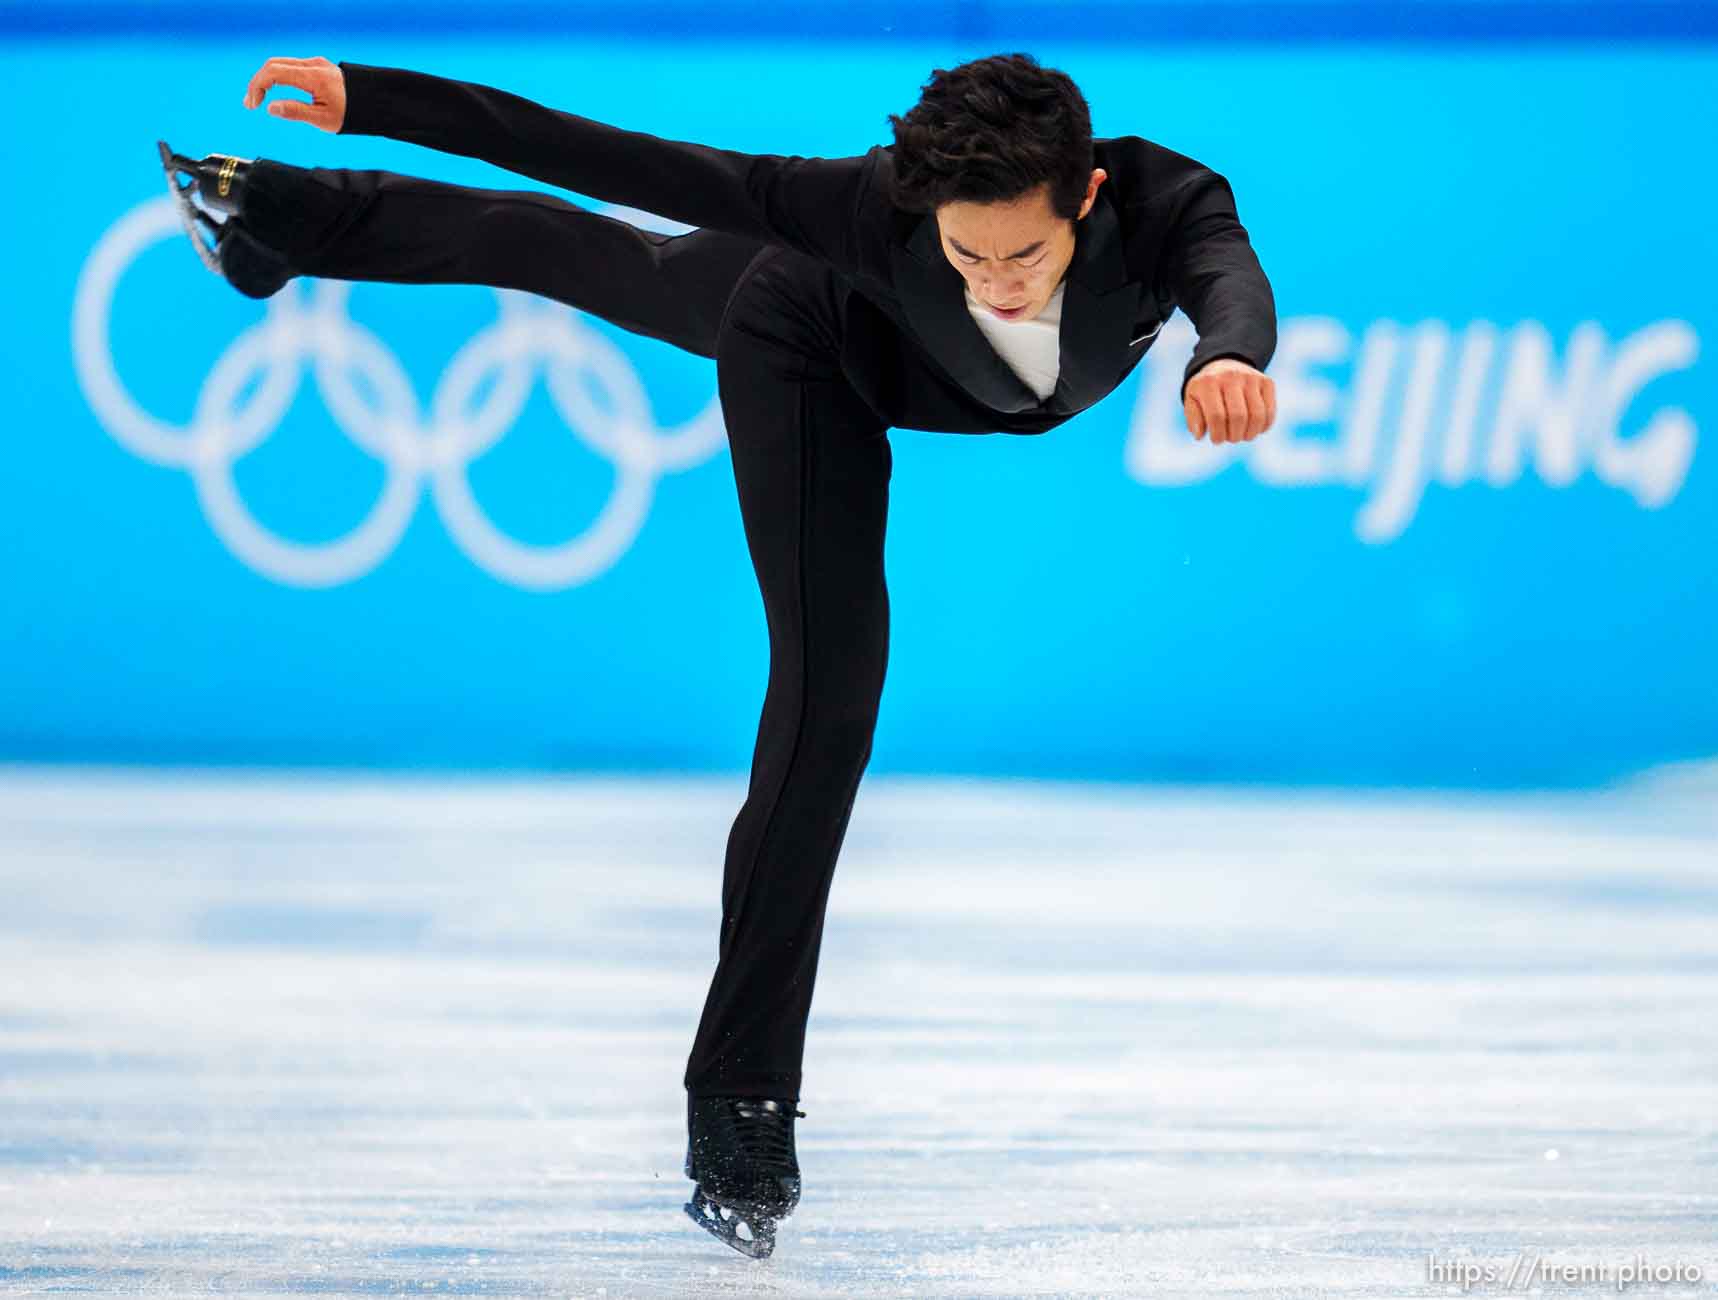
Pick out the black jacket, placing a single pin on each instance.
(1162, 233)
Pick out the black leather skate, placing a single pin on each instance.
(225, 247)
(741, 1154)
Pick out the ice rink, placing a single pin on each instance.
(353, 1035)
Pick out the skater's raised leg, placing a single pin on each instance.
(348, 224)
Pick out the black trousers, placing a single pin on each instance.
(811, 461)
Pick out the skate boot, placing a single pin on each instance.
(225, 247)
(740, 1153)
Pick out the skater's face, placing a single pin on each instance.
(1013, 253)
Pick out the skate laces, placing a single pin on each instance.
(766, 1134)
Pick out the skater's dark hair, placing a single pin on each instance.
(990, 130)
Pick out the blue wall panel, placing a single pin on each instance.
(1479, 548)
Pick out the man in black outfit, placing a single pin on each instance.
(996, 269)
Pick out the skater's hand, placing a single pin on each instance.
(323, 80)
(1230, 400)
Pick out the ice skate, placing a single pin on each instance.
(217, 185)
(740, 1152)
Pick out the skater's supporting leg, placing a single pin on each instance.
(812, 463)
(346, 224)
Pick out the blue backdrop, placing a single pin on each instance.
(442, 525)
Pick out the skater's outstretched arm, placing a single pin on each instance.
(1215, 275)
(805, 203)
(1215, 278)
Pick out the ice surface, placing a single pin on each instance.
(352, 1035)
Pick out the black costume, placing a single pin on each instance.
(832, 316)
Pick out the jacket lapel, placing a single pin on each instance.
(1098, 307)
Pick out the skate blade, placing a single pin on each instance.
(725, 1224)
(189, 213)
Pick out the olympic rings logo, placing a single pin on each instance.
(531, 337)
